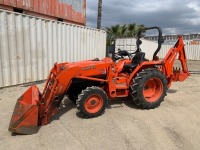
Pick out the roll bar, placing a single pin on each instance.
(160, 39)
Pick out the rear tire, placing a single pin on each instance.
(92, 102)
(149, 88)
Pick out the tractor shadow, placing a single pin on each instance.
(65, 106)
(171, 91)
(118, 102)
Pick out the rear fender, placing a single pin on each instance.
(140, 67)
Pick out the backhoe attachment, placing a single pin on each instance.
(176, 74)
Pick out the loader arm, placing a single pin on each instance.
(176, 74)
(58, 84)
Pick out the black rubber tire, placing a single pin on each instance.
(138, 84)
(85, 94)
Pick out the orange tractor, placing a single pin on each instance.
(91, 83)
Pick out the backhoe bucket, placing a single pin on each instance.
(25, 116)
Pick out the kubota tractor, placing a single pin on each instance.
(91, 83)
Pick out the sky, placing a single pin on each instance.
(173, 16)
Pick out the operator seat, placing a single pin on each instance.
(136, 60)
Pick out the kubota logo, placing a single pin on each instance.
(88, 68)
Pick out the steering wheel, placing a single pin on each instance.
(121, 54)
(117, 56)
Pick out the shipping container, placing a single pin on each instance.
(72, 11)
(29, 46)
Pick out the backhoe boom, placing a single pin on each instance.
(175, 74)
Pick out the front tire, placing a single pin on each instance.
(92, 102)
(149, 88)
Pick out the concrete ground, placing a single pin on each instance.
(173, 125)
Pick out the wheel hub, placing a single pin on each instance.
(93, 102)
(146, 87)
(153, 89)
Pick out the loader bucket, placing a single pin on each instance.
(25, 116)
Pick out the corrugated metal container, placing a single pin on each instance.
(192, 51)
(29, 46)
(73, 11)
(128, 44)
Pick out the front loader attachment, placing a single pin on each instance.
(25, 116)
(35, 109)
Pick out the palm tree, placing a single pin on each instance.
(139, 27)
(109, 36)
(122, 31)
(113, 32)
(131, 30)
(99, 14)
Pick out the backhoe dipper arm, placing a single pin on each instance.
(172, 73)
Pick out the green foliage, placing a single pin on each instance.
(122, 31)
